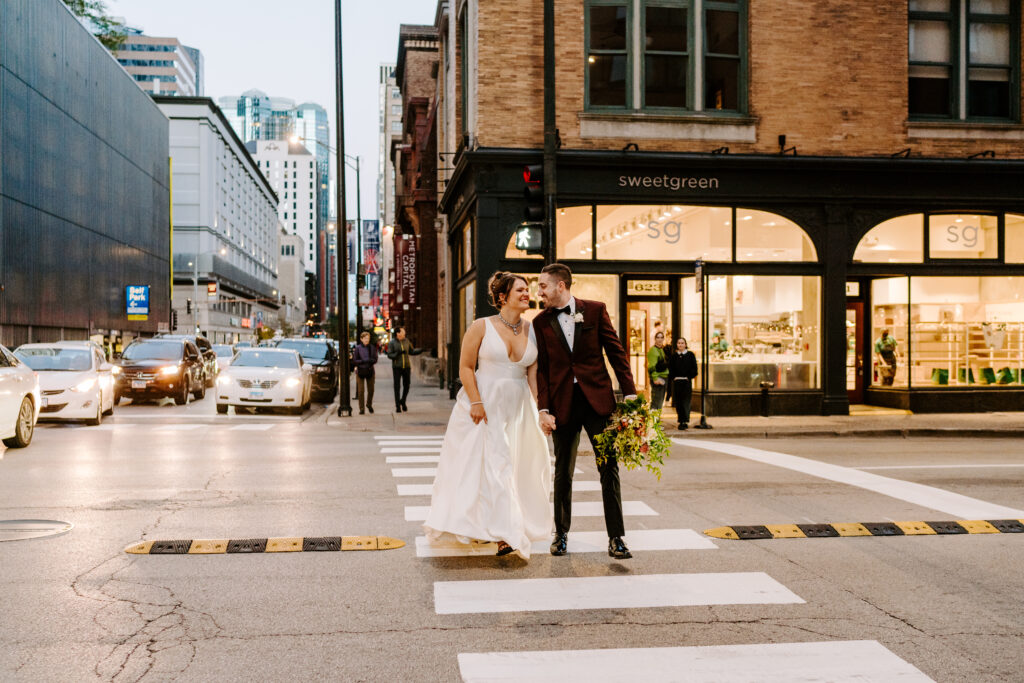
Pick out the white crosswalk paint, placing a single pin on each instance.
(403, 437)
(610, 592)
(251, 428)
(410, 449)
(630, 508)
(414, 472)
(411, 459)
(425, 489)
(579, 542)
(418, 442)
(860, 661)
(178, 428)
(963, 507)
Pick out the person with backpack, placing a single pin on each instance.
(364, 358)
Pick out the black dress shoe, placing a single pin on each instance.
(370, 408)
(560, 546)
(405, 408)
(504, 549)
(617, 548)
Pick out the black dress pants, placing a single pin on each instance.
(682, 396)
(567, 440)
(402, 377)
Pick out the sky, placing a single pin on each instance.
(286, 49)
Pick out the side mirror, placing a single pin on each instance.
(306, 367)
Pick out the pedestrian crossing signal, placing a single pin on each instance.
(530, 238)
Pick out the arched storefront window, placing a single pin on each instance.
(897, 240)
(763, 236)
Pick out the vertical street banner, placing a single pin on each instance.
(405, 272)
(371, 260)
(350, 246)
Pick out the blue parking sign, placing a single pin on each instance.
(137, 302)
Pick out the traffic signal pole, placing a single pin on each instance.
(341, 244)
(550, 132)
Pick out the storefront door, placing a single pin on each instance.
(649, 311)
(855, 352)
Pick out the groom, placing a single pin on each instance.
(574, 392)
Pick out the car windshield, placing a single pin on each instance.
(53, 358)
(223, 350)
(314, 351)
(154, 350)
(265, 359)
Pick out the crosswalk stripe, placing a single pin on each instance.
(849, 661)
(414, 472)
(630, 508)
(403, 437)
(177, 428)
(410, 449)
(251, 428)
(579, 542)
(610, 592)
(411, 459)
(419, 442)
(425, 489)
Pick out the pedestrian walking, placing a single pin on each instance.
(657, 371)
(399, 351)
(364, 358)
(682, 369)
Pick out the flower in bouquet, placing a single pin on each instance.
(634, 437)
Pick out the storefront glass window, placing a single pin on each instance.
(889, 328)
(763, 329)
(897, 240)
(467, 307)
(660, 233)
(967, 331)
(963, 236)
(1014, 236)
(763, 236)
(574, 234)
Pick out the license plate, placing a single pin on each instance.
(255, 394)
(46, 402)
(138, 384)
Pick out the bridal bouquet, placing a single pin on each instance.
(634, 436)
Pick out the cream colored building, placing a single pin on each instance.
(162, 66)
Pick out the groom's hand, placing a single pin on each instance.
(547, 423)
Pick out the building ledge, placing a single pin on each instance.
(964, 130)
(645, 126)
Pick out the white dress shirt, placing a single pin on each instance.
(567, 321)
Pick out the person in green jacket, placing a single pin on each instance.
(399, 350)
(657, 370)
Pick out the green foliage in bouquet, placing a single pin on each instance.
(634, 437)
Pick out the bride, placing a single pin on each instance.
(494, 473)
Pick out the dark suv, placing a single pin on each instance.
(158, 368)
(321, 355)
(210, 368)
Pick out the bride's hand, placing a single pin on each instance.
(478, 413)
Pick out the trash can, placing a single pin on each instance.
(766, 387)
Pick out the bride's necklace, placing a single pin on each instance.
(514, 328)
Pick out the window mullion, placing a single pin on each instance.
(637, 28)
(697, 51)
(961, 80)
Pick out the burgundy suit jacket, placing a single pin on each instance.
(557, 365)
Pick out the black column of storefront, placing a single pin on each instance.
(490, 249)
(833, 318)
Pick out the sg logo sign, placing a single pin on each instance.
(959, 236)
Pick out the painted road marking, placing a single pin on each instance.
(291, 544)
(251, 428)
(630, 508)
(411, 459)
(918, 494)
(939, 467)
(411, 450)
(178, 428)
(404, 437)
(414, 472)
(844, 661)
(610, 592)
(960, 526)
(425, 489)
(579, 542)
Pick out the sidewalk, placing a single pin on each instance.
(430, 407)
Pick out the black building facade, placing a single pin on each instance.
(804, 262)
(84, 186)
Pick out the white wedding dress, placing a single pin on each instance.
(493, 479)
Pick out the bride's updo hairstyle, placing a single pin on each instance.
(499, 287)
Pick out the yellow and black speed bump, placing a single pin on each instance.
(963, 526)
(265, 545)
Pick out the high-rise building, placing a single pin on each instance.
(390, 116)
(256, 116)
(291, 171)
(162, 66)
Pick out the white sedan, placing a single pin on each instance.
(265, 378)
(19, 401)
(75, 381)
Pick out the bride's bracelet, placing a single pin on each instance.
(477, 403)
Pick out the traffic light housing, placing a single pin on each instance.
(533, 193)
(174, 318)
(188, 306)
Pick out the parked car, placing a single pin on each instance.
(205, 348)
(158, 368)
(265, 378)
(75, 380)
(224, 355)
(320, 354)
(19, 400)
(242, 345)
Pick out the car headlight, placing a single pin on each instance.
(292, 382)
(115, 370)
(85, 385)
(223, 379)
(323, 369)
(169, 370)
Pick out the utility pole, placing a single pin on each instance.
(360, 276)
(344, 397)
(550, 132)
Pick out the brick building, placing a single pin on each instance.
(868, 183)
(414, 155)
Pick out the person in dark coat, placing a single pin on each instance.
(364, 358)
(399, 351)
(682, 369)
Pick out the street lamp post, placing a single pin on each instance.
(344, 398)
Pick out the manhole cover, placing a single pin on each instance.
(21, 529)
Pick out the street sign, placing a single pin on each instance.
(211, 290)
(698, 270)
(137, 302)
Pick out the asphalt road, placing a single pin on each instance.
(76, 607)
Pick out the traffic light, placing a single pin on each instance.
(188, 306)
(533, 192)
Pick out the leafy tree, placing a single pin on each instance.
(110, 31)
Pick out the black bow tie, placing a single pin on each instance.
(567, 310)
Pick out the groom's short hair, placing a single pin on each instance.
(559, 271)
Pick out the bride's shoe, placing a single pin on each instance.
(504, 549)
